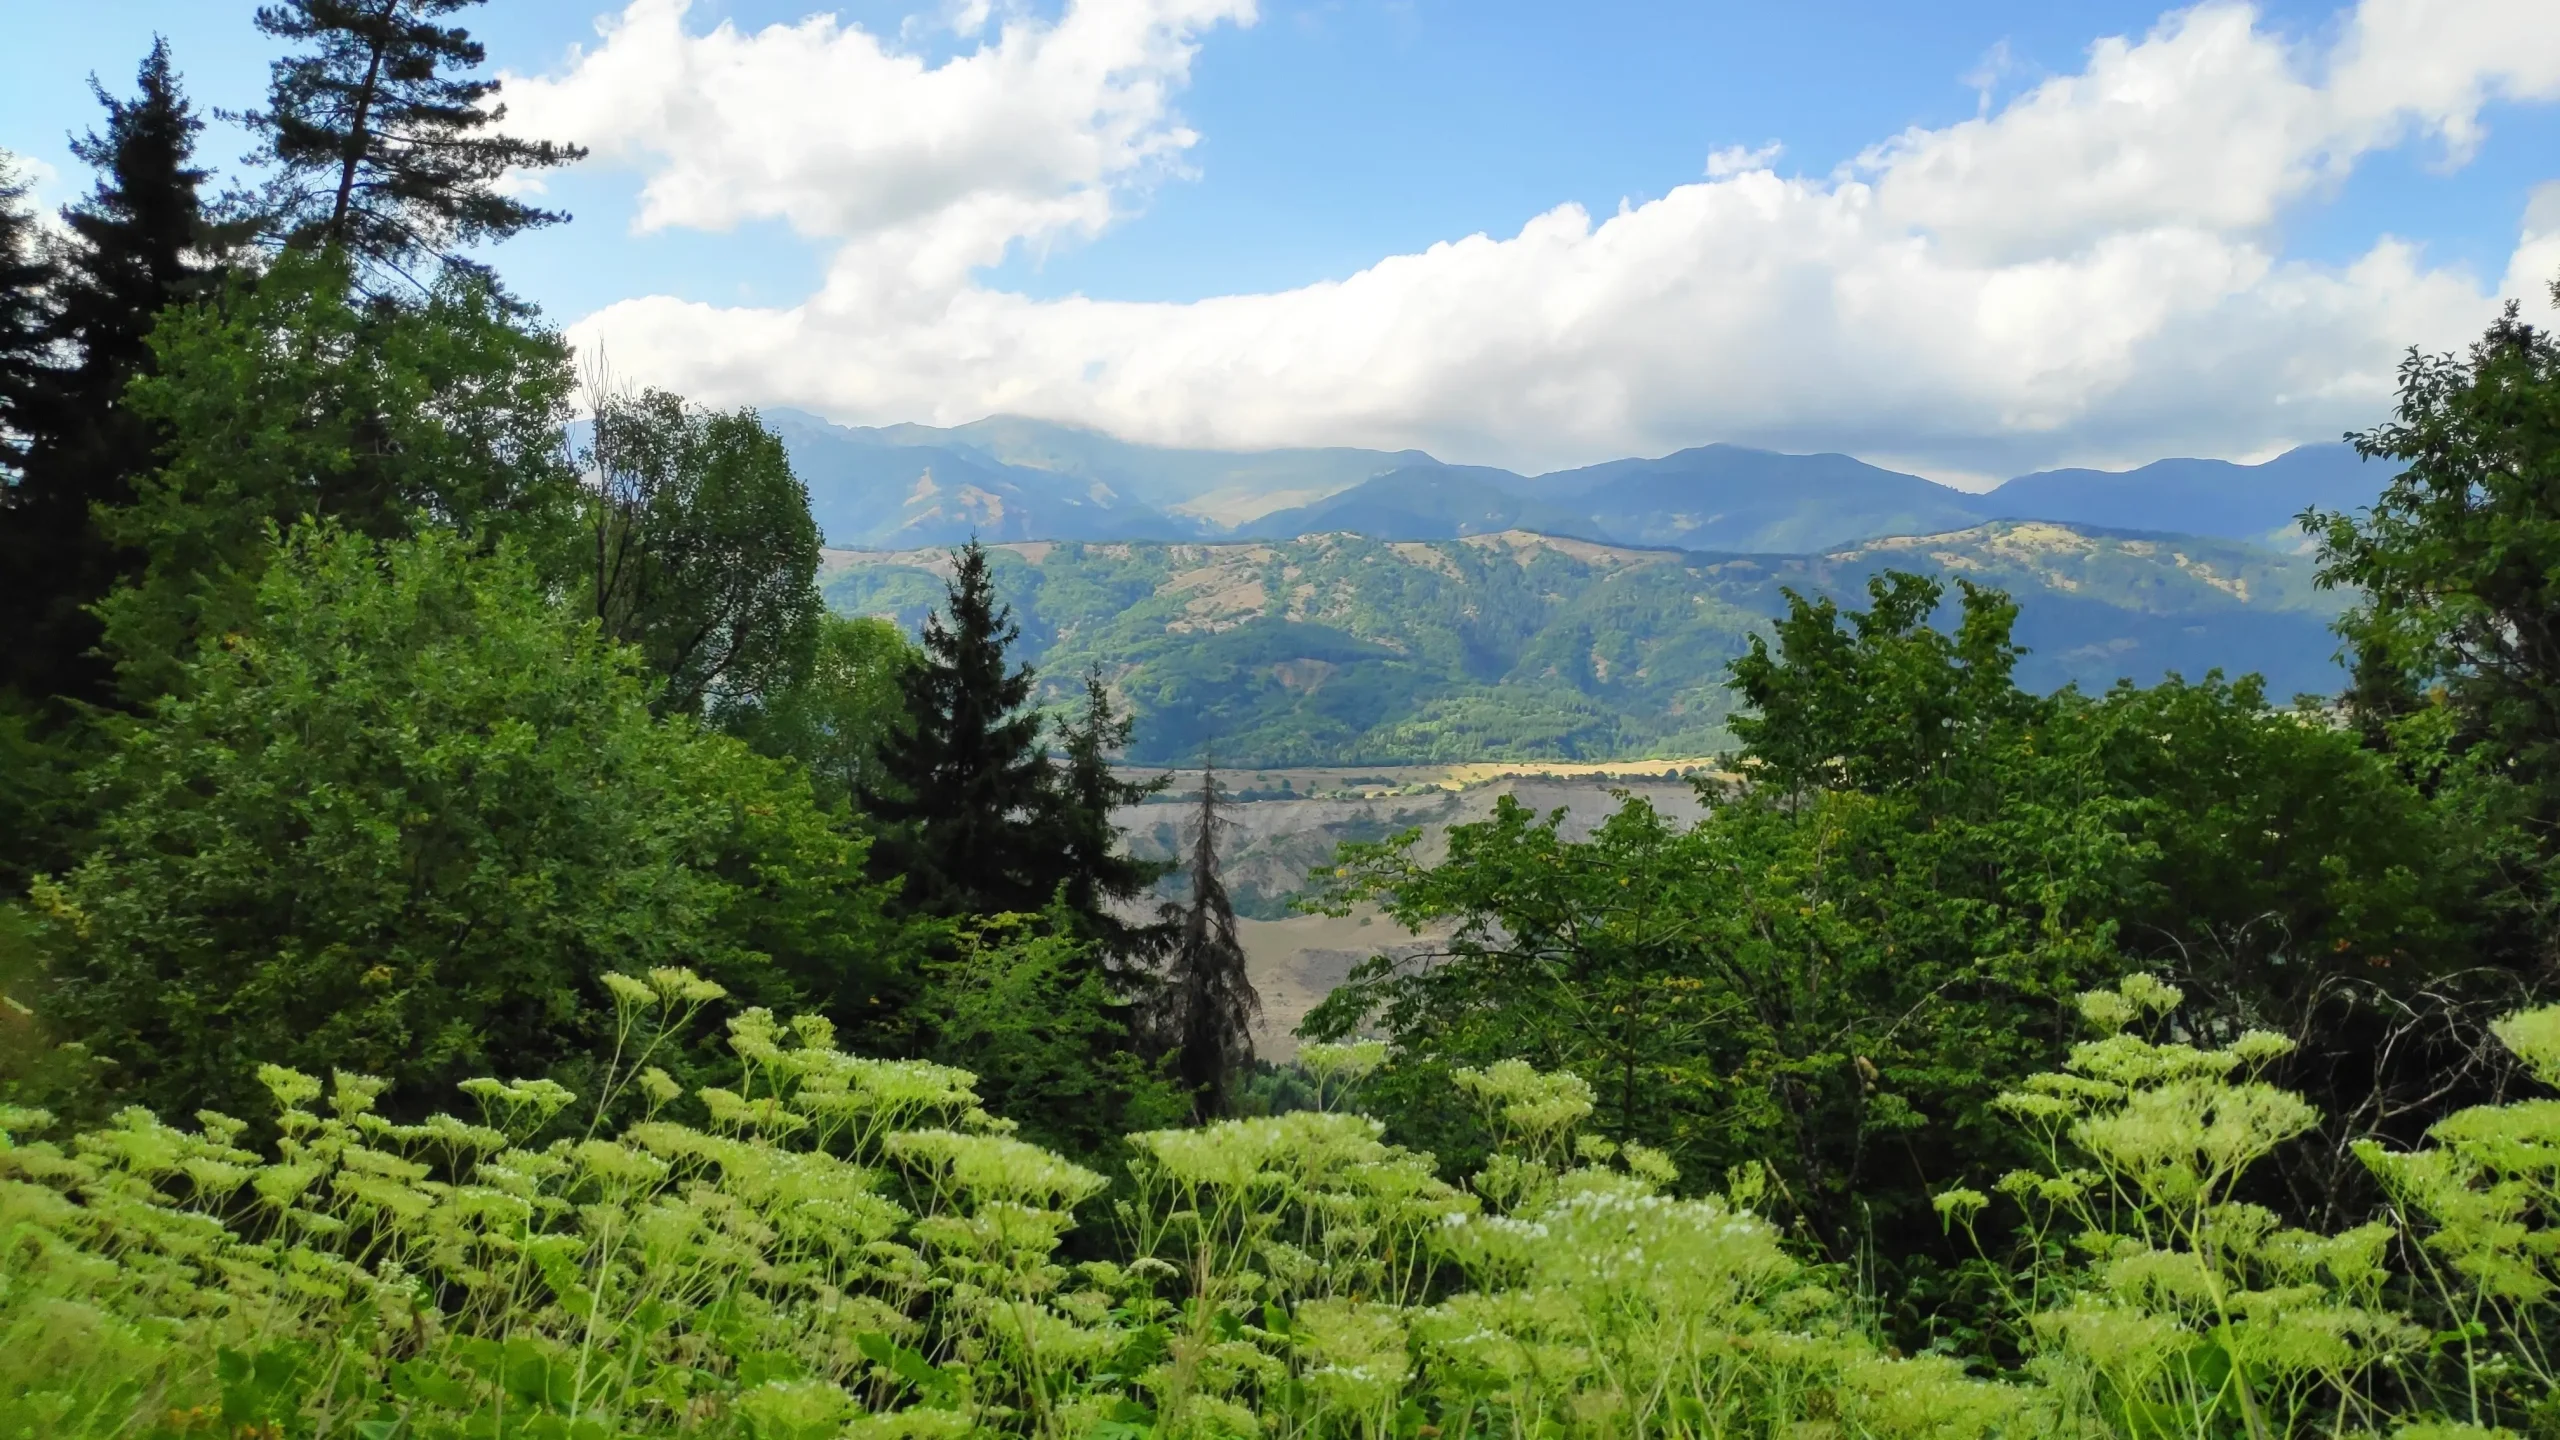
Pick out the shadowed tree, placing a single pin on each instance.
(383, 148)
(705, 556)
(1206, 1009)
(140, 242)
(1104, 882)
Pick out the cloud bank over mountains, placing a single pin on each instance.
(2088, 273)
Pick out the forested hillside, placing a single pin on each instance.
(1339, 649)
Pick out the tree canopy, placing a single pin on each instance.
(406, 815)
(381, 139)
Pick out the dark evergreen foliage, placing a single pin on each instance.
(381, 142)
(139, 243)
(965, 785)
(1207, 1006)
(1105, 884)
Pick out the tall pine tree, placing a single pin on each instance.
(382, 142)
(1206, 1009)
(139, 243)
(965, 787)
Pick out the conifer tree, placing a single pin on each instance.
(1206, 1010)
(965, 786)
(139, 243)
(383, 146)
(1103, 881)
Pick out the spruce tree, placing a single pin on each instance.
(139, 243)
(965, 787)
(382, 144)
(1103, 881)
(1206, 1010)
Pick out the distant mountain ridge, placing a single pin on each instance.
(1336, 649)
(1007, 478)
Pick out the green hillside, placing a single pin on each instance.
(1330, 649)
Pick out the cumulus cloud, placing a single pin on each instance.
(847, 136)
(2084, 273)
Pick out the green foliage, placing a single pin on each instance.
(1025, 1006)
(1887, 705)
(1834, 973)
(978, 816)
(2182, 1309)
(406, 817)
(831, 1245)
(841, 708)
(706, 559)
(1103, 882)
(2456, 560)
(285, 400)
(1838, 971)
(26, 278)
(964, 781)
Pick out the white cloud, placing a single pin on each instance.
(2086, 273)
(847, 137)
(1738, 159)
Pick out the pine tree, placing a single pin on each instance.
(965, 787)
(1102, 879)
(26, 280)
(383, 150)
(140, 242)
(1206, 1010)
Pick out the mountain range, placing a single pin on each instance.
(1334, 648)
(1008, 478)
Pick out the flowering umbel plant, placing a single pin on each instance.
(831, 1245)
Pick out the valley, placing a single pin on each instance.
(1285, 823)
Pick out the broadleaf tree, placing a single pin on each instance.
(283, 399)
(705, 555)
(406, 816)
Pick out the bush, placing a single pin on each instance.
(406, 819)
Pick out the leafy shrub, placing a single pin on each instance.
(405, 820)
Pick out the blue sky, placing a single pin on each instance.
(1131, 241)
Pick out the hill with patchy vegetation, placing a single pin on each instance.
(1334, 648)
